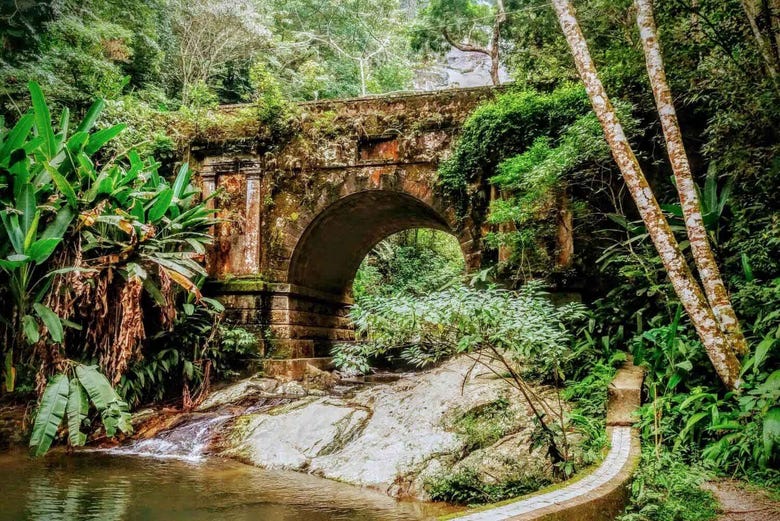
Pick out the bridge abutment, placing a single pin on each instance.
(290, 321)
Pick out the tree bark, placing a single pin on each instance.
(685, 286)
(774, 22)
(707, 266)
(494, 45)
(751, 11)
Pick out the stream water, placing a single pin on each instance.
(171, 478)
(104, 486)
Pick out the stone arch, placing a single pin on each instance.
(332, 246)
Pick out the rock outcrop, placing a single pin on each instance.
(395, 437)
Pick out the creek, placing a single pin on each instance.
(157, 481)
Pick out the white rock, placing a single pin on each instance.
(386, 436)
(236, 392)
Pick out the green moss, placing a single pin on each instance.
(242, 285)
(326, 124)
(484, 425)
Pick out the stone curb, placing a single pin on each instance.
(600, 495)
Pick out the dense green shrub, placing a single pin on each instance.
(466, 487)
(517, 335)
(182, 362)
(505, 127)
(668, 489)
(426, 329)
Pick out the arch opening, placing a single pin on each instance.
(335, 243)
(413, 262)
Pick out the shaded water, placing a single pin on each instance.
(101, 486)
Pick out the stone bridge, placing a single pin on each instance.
(301, 213)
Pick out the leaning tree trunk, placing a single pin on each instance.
(685, 286)
(711, 280)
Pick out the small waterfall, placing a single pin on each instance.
(187, 441)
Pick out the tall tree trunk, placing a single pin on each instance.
(711, 280)
(686, 287)
(494, 44)
(494, 67)
(752, 12)
(564, 235)
(492, 52)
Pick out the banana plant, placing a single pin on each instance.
(58, 185)
(37, 210)
(67, 399)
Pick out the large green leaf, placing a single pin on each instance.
(42, 249)
(77, 409)
(92, 115)
(76, 142)
(30, 146)
(51, 320)
(62, 135)
(160, 205)
(771, 432)
(154, 291)
(98, 387)
(26, 205)
(13, 230)
(116, 416)
(30, 328)
(11, 264)
(43, 126)
(63, 185)
(16, 137)
(58, 227)
(50, 414)
(101, 137)
(181, 182)
(32, 231)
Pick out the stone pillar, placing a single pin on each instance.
(254, 204)
(238, 248)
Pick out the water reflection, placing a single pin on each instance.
(94, 486)
(77, 498)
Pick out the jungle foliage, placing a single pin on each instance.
(520, 336)
(167, 53)
(537, 150)
(412, 262)
(726, 94)
(102, 256)
(102, 235)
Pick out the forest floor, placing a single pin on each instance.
(743, 503)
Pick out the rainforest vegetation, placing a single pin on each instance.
(104, 233)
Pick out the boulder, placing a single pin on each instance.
(392, 437)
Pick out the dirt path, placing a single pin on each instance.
(740, 503)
